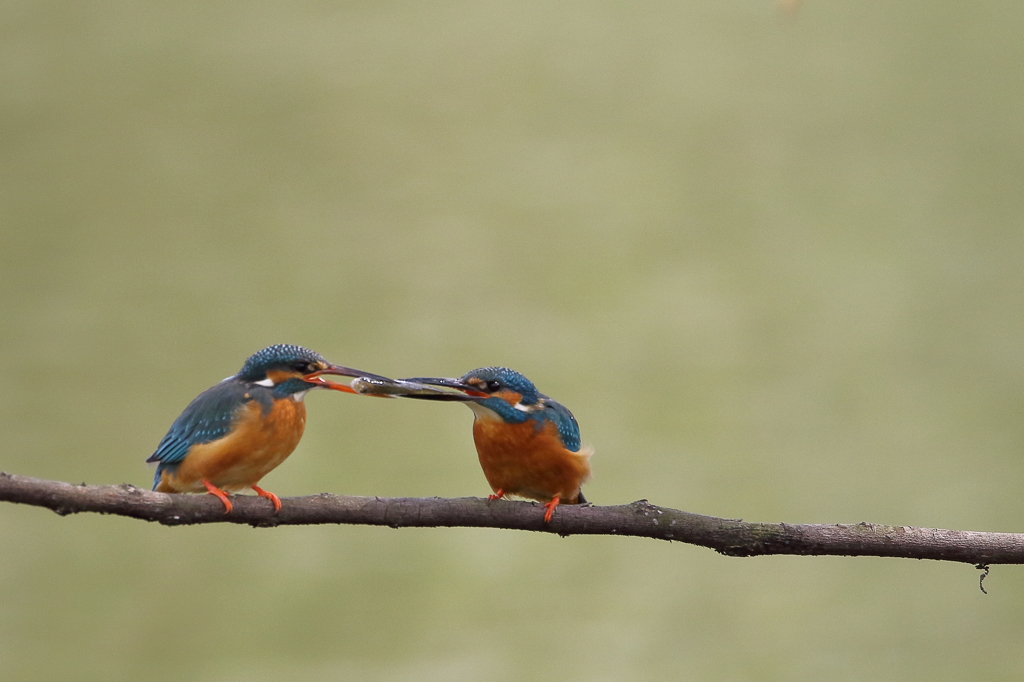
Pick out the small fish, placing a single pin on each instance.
(392, 388)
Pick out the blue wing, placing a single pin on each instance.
(553, 411)
(568, 429)
(206, 419)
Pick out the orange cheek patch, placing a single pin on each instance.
(510, 397)
(279, 376)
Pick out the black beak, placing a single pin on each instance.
(411, 388)
(316, 378)
(469, 392)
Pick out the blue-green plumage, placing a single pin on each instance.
(568, 429)
(527, 443)
(207, 418)
(538, 407)
(546, 410)
(281, 356)
(212, 414)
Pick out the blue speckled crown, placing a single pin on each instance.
(511, 379)
(553, 411)
(280, 355)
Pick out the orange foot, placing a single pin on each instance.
(270, 496)
(223, 496)
(550, 506)
(498, 494)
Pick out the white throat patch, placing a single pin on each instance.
(268, 382)
(482, 412)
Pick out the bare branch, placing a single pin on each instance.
(641, 519)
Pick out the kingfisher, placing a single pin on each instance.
(528, 444)
(235, 433)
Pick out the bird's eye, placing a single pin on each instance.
(303, 368)
(493, 386)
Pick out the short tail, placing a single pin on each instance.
(580, 499)
(161, 467)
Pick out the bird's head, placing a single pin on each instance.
(484, 385)
(291, 369)
(503, 383)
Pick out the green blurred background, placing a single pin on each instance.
(772, 262)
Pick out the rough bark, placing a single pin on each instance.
(641, 519)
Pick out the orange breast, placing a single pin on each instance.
(522, 460)
(238, 461)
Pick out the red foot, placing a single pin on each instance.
(550, 506)
(270, 496)
(223, 496)
(498, 494)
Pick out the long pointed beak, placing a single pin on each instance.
(413, 388)
(442, 381)
(317, 378)
(471, 393)
(338, 370)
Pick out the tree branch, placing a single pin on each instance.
(641, 519)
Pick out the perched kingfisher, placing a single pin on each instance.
(528, 444)
(236, 432)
